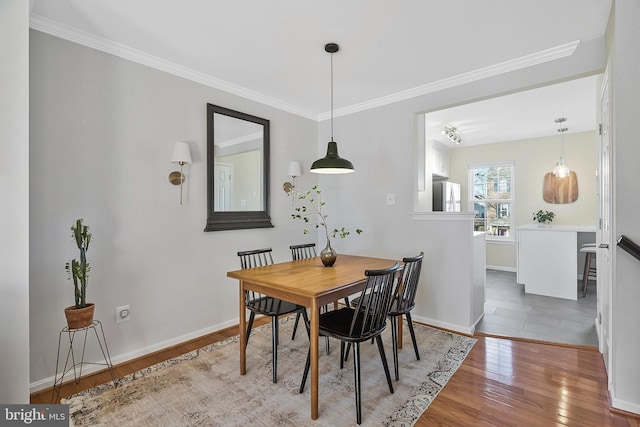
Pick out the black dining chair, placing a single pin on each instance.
(402, 304)
(259, 303)
(355, 325)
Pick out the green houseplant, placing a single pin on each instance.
(80, 314)
(543, 217)
(312, 209)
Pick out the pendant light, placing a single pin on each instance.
(332, 163)
(561, 170)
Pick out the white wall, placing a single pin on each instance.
(624, 374)
(534, 158)
(102, 134)
(14, 192)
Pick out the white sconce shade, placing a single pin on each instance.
(181, 154)
(294, 169)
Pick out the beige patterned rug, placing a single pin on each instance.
(205, 388)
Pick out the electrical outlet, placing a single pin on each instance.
(123, 314)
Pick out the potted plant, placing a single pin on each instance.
(543, 217)
(79, 315)
(311, 208)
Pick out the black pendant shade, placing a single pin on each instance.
(332, 163)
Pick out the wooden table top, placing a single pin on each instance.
(309, 278)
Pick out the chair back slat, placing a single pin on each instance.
(255, 258)
(374, 303)
(304, 251)
(408, 283)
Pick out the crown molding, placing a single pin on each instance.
(84, 38)
(536, 58)
(66, 32)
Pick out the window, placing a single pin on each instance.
(491, 196)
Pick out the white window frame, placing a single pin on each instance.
(511, 201)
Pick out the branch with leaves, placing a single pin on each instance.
(311, 212)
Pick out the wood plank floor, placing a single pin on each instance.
(502, 382)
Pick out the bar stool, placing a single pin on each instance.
(589, 272)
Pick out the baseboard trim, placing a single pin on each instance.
(621, 406)
(534, 341)
(501, 268)
(126, 357)
(466, 330)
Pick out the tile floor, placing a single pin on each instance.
(509, 311)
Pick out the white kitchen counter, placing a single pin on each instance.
(553, 227)
(547, 259)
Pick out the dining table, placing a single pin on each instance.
(309, 283)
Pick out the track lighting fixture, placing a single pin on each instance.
(452, 133)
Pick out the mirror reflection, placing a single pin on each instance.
(238, 152)
(238, 170)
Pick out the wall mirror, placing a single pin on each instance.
(237, 170)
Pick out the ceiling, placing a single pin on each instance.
(523, 115)
(273, 51)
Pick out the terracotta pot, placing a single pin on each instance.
(78, 318)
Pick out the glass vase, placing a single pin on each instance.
(328, 255)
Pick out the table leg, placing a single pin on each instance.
(243, 331)
(313, 345)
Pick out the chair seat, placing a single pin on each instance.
(272, 306)
(337, 323)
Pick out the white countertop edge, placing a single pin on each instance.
(442, 216)
(554, 227)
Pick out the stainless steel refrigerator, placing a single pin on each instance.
(446, 196)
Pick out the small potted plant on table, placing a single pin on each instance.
(543, 217)
(79, 315)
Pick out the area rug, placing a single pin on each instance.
(205, 388)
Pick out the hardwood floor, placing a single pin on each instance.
(501, 383)
(507, 382)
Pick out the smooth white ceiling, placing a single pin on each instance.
(275, 49)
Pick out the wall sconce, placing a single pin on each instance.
(452, 133)
(294, 171)
(182, 156)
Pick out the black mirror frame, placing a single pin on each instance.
(235, 220)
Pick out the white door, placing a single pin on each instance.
(222, 187)
(604, 237)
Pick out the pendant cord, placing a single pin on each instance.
(332, 96)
